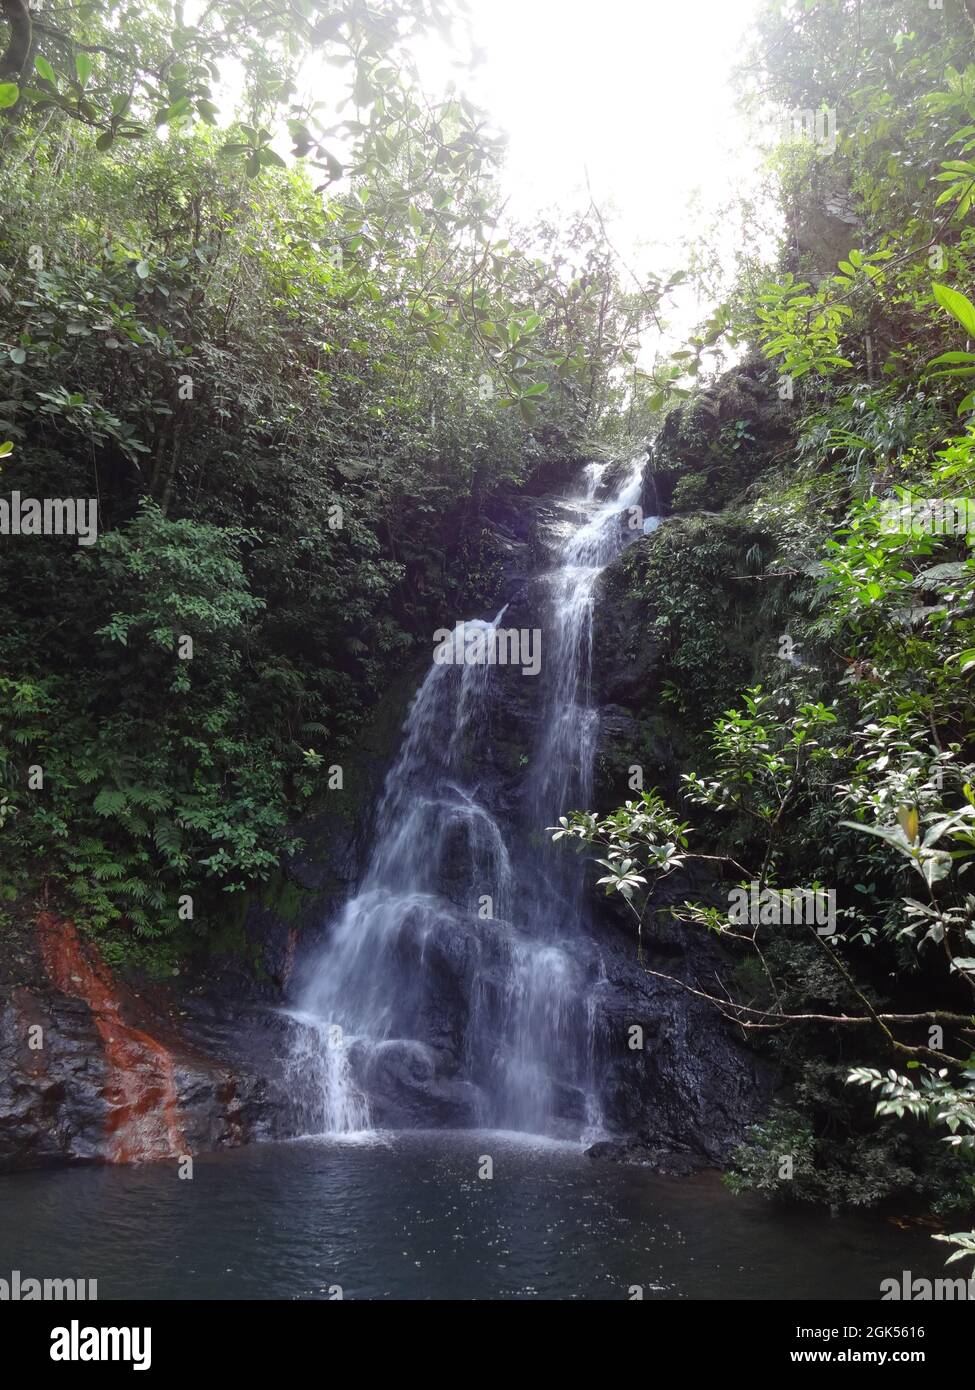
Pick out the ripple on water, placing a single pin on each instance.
(393, 1215)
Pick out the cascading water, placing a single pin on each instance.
(459, 984)
(561, 776)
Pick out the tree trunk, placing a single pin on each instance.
(14, 57)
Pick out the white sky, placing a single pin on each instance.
(637, 92)
(634, 93)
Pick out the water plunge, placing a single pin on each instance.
(459, 985)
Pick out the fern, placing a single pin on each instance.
(108, 870)
(109, 802)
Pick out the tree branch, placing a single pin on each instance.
(778, 1019)
(14, 57)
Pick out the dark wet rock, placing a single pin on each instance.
(698, 456)
(625, 650)
(663, 1161)
(408, 1090)
(672, 1073)
(569, 1103)
(52, 1105)
(236, 1088)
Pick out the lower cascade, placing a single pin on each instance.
(460, 985)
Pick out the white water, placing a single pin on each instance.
(460, 975)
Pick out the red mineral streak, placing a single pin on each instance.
(143, 1116)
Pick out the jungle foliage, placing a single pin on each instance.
(284, 343)
(845, 759)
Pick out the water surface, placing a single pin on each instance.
(406, 1216)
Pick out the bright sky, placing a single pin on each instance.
(633, 94)
(636, 92)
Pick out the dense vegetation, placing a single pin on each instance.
(290, 383)
(815, 651)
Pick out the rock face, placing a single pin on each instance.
(682, 1084)
(52, 1099)
(92, 1068)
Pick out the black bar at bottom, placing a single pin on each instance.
(217, 1338)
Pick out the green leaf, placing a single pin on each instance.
(109, 801)
(142, 270)
(172, 115)
(105, 140)
(963, 309)
(83, 67)
(9, 93)
(18, 355)
(109, 869)
(965, 659)
(952, 357)
(168, 837)
(45, 69)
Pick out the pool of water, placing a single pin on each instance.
(409, 1216)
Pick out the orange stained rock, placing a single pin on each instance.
(143, 1116)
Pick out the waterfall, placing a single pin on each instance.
(459, 984)
(562, 772)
